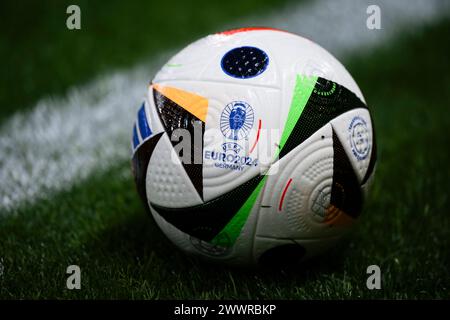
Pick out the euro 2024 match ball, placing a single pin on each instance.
(253, 146)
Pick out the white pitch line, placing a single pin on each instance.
(63, 141)
(340, 26)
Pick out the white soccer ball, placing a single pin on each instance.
(253, 146)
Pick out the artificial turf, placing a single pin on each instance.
(101, 225)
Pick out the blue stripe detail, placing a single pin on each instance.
(135, 137)
(144, 128)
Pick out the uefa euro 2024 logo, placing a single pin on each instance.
(236, 120)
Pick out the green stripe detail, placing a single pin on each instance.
(304, 86)
(228, 235)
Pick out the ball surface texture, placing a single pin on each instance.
(254, 146)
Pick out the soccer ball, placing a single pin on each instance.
(253, 146)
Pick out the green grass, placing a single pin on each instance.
(40, 56)
(405, 227)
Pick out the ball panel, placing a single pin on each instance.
(327, 101)
(239, 254)
(289, 54)
(140, 162)
(346, 196)
(354, 130)
(229, 162)
(368, 177)
(207, 220)
(181, 123)
(168, 184)
(310, 166)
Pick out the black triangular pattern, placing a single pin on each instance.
(346, 191)
(206, 220)
(327, 101)
(173, 117)
(139, 163)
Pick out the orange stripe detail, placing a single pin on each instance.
(191, 102)
(335, 216)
